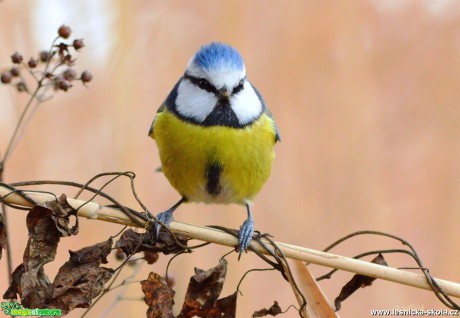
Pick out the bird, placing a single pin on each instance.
(215, 136)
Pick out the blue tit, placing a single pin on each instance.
(215, 135)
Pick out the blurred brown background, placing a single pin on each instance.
(365, 93)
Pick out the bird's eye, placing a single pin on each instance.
(239, 87)
(203, 83)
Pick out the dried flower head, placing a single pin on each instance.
(78, 44)
(21, 86)
(16, 58)
(57, 72)
(44, 56)
(70, 74)
(6, 77)
(64, 31)
(61, 84)
(151, 257)
(15, 71)
(120, 255)
(86, 77)
(32, 63)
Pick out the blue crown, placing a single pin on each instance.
(216, 55)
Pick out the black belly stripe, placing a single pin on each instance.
(213, 172)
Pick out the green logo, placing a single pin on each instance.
(13, 308)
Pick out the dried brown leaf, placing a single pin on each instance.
(132, 242)
(77, 284)
(43, 238)
(158, 296)
(40, 250)
(358, 281)
(15, 288)
(92, 254)
(62, 213)
(46, 224)
(203, 292)
(81, 279)
(274, 310)
(224, 308)
(36, 291)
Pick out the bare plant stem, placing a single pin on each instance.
(9, 148)
(109, 214)
(9, 258)
(43, 79)
(120, 294)
(109, 287)
(18, 125)
(33, 97)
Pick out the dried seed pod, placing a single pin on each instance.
(70, 74)
(64, 31)
(6, 77)
(44, 56)
(151, 257)
(78, 44)
(21, 87)
(57, 82)
(32, 63)
(15, 71)
(16, 58)
(120, 255)
(64, 85)
(86, 77)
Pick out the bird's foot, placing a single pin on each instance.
(164, 217)
(245, 235)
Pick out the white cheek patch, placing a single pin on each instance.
(194, 102)
(246, 104)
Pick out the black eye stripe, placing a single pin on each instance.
(201, 83)
(205, 85)
(239, 87)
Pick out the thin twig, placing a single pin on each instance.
(12, 141)
(9, 258)
(119, 296)
(9, 147)
(328, 275)
(434, 286)
(18, 125)
(96, 211)
(24, 112)
(135, 216)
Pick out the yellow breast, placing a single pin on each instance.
(215, 164)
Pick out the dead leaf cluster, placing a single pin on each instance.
(77, 282)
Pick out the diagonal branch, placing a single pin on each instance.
(93, 210)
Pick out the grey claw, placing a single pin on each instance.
(165, 218)
(245, 235)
